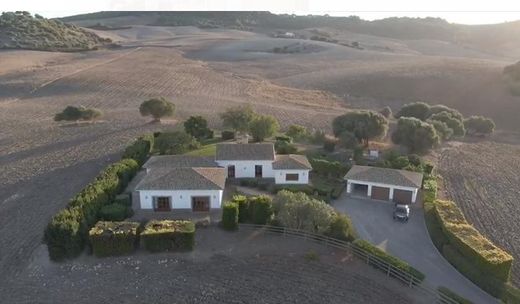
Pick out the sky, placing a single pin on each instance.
(456, 11)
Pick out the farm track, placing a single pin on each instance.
(483, 179)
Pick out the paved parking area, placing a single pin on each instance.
(409, 241)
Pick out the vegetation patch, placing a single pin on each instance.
(21, 30)
(114, 238)
(168, 235)
(230, 216)
(72, 113)
(453, 295)
(397, 263)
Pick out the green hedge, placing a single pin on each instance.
(342, 228)
(260, 209)
(452, 295)
(168, 235)
(66, 233)
(328, 168)
(484, 255)
(243, 208)
(115, 212)
(140, 149)
(123, 199)
(396, 262)
(114, 238)
(307, 189)
(226, 135)
(230, 216)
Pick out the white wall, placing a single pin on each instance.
(350, 186)
(246, 168)
(181, 199)
(303, 176)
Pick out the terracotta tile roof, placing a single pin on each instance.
(184, 179)
(385, 176)
(291, 161)
(263, 151)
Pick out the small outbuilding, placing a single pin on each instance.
(386, 184)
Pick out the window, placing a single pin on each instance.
(162, 203)
(200, 203)
(258, 170)
(231, 171)
(292, 177)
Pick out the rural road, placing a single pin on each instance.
(409, 241)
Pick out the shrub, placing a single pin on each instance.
(114, 238)
(329, 145)
(175, 142)
(72, 113)
(297, 132)
(157, 108)
(284, 147)
(453, 295)
(226, 135)
(419, 110)
(328, 168)
(341, 228)
(482, 254)
(243, 208)
(230, 216)
(63, 234)
(168, 235)
(261, 209)
(396, 262)
(114, 212)
(307, 189)
(318, 137)
(140, 149)
(479, 125)
(197, 127)
(123, 199)
(284, 138)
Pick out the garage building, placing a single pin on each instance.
(386, 184)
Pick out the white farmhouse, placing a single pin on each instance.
(197, 183)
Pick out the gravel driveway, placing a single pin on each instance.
(409, 241)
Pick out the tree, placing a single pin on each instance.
(416, 135)
(197, 127)
(297, 132)
(419, 110)
(386, 112)
(72, 113)
(157, 108)
(365, 125)
(299, 211)
(238, 118)
(347, 140)
(442, 108)
(442, 129)
(263, 126)
(175, 142)
(479, 125)
(451, 121)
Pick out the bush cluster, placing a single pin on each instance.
(115, 212)
(254, 209)
(72, 113)
(140, 149)
(227, 135)
(114, 238)
(328, 168)
(284, 147)
(230, 216)
(397, 263)
(168, 235)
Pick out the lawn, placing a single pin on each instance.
(207, 150)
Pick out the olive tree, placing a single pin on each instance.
(238, 118)
(418, 136)
(197, 127)
(157, 108)
(175, 142)
(479, 125)
(263, 126)
(299, 211)
(442, 129)
(72, 113)
(365, 125)
(419, 110)
(453, 122)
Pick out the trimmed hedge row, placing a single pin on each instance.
(168, 235)
(230, 216)
(328, 168)
(478, 250)
(114, 238)
(255, 209)
(396, 262)
(66, 234)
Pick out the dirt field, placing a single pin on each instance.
(240, 267)
(483, 179)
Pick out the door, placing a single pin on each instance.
(380, 193)
(258, 171)
(200, 203)
(403, 196)
(231, 171)
(162, 203)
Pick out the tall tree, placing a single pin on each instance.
(197, 127)
(238, 118)
(365, 125)
(263, 126)
(418, 136)
(157, 108)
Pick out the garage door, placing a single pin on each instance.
(403, 196)
(380, 193)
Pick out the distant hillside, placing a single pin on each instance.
(20, 30)
(500, 39)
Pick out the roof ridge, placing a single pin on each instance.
(196, 170)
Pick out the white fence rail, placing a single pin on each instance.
(370, 259)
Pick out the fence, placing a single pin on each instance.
(390, 270)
